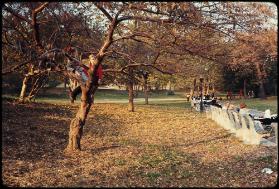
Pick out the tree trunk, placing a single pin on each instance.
(193, 89)
(275, 89)
(244, 88)
(204, 88)
(131, 91)
(207, 89)
(23, 89)
(22, 96)
(131, 97)
(87, 99)
(73, 84)
(39, 83)
(261, 82)
(76, 126)
(88, 91)
(169, 85)
(201, 94)
(262, 91)
(136, 91)
(65, 83)
(145, 90)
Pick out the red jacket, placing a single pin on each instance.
(99, 70)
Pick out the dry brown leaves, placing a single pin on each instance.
(154, 146)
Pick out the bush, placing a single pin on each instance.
(11, 83)
(170, 93)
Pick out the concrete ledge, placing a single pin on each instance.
(243, 126)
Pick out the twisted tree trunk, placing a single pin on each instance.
(22, 96)
(87, 94)
(76, 126)
(36, 37)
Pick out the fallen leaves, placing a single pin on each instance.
(154, 146)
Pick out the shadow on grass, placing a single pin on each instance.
(102, 125)
(35, 131)
(179, 104)
(104, 148)
(193, 144)
(171, 166)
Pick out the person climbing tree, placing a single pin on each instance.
(81, 74)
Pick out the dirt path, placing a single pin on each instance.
(154, 146)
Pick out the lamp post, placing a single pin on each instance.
(201, 84)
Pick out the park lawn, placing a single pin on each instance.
(156, 146)
(259, 104)
(60, 96)
(107, 94)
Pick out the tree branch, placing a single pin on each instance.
(124, 55)
(132, 36)
(104, 11)
(16, 67)
(137, 65)
(40, 8)
(9, 70)
(16, 14)
(36, 25)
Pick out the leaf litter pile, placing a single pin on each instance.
(154, 146)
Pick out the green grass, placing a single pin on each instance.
(130, 142)
(153, 176)
(170, 104)
(60, 96)
(186, 174)
(123, 94)
(258, 104)
(110, 94)
(120, 162)
(165, 163)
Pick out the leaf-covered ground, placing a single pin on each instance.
(154, 146)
